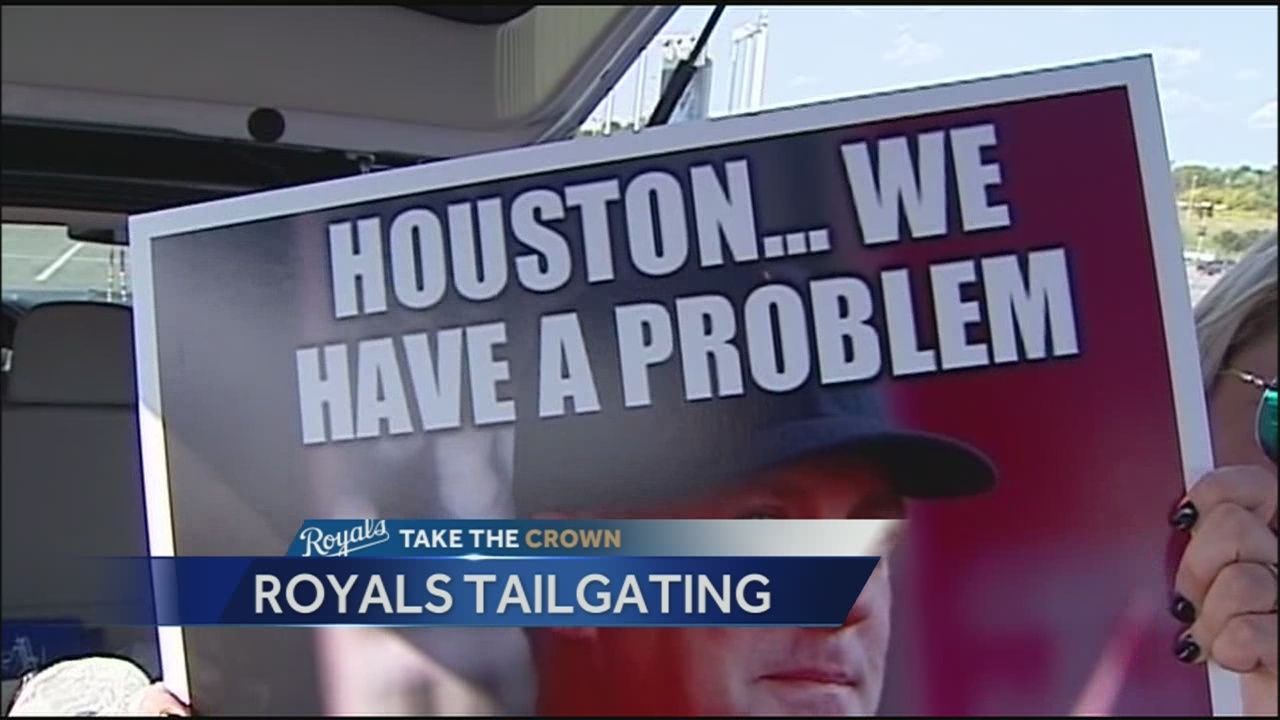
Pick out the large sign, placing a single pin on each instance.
(963, 305)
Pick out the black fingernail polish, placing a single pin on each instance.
(1182, 609)
(1186, 650)
(1184, 518)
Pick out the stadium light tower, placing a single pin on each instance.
(749, 48)
(637, 110)
(695, 103)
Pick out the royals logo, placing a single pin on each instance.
(343, 542)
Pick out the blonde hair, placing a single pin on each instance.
(1240, 308)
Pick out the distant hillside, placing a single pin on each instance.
(1224, 210)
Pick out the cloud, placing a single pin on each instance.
(1178, 101)
(907, 50)
(1264, 118)
(802, 81)
(1247, 74)
(1175, 60)
(1081, 9)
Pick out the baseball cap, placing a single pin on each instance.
(99, 685)
(675, 448)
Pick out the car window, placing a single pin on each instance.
(41, 263)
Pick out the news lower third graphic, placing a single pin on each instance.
(529, 573)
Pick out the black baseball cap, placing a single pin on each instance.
(676, 449)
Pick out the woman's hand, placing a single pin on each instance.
(156, 700)
(1226, 582)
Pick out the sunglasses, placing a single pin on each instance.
(1265, 423)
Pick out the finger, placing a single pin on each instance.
(1228, 534)
(156, 700)
(1239, 589)
(1252, 488)
(1247, 643)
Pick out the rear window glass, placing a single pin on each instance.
(41, 263)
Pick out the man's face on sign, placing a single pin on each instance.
(763, 671)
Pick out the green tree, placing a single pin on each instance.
(1228, 242)
(1234, 243)
(1240, 189)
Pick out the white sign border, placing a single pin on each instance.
(1135, 74)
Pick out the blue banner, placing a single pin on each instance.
(516, 592)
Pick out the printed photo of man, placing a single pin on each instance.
(815, 453)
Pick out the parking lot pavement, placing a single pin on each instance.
(1200, 283)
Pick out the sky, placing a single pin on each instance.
(1215, 66)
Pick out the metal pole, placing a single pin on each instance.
(683, 73)
(735, 55)
(761, 45)
(1191, 209)
(608, 114)
(1191, 196)
(124, 274)
(111, 274)
(641, 76)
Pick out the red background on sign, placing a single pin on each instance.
(1011, 601)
